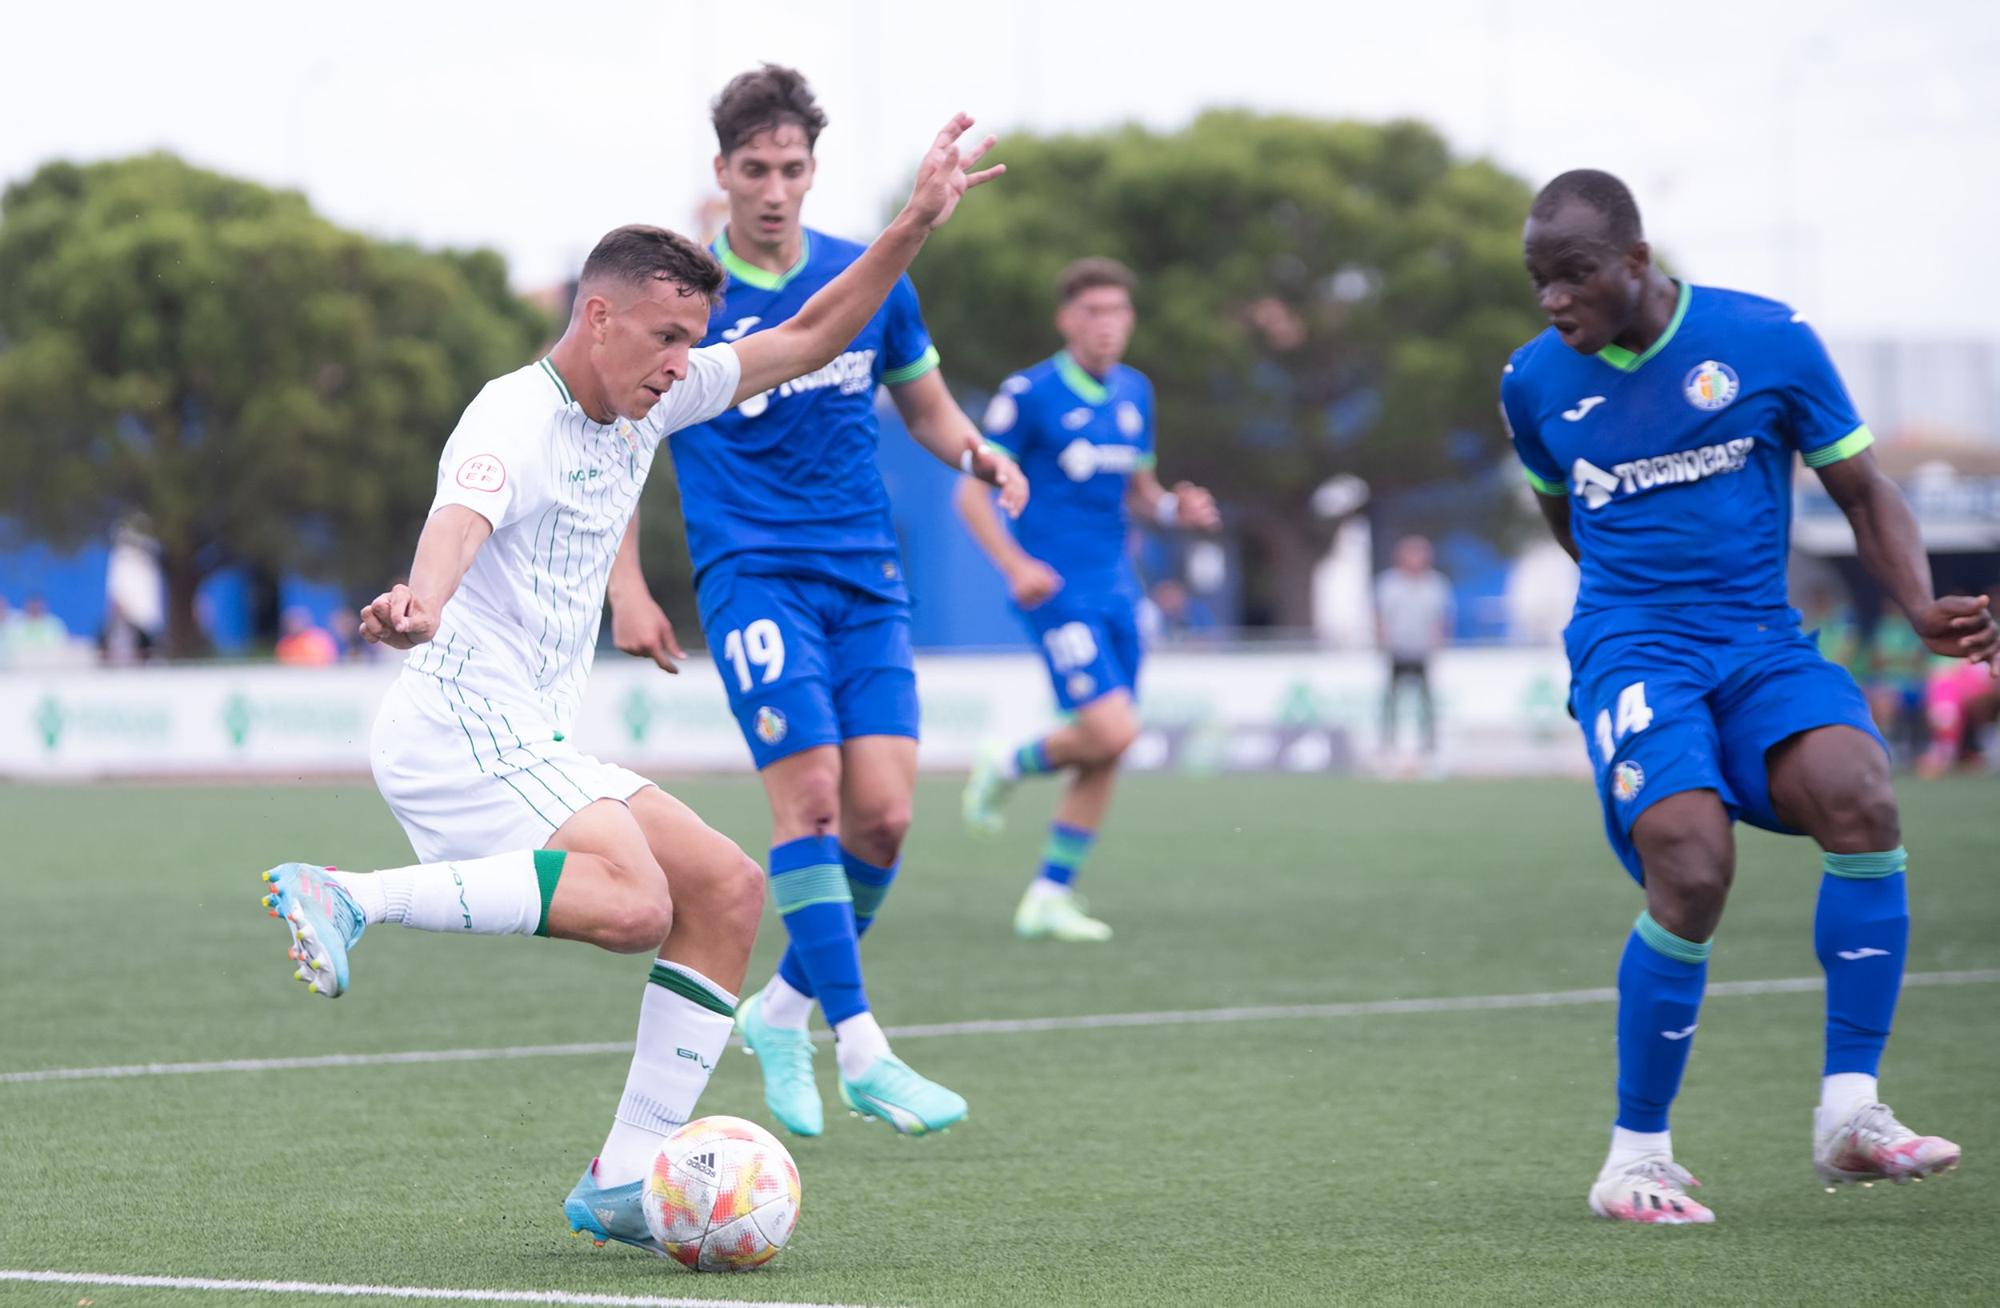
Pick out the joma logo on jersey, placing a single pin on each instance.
(1596, 487)
(1081, 460)
(853, 372)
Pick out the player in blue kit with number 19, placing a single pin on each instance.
(1659, 423)
(802, 598)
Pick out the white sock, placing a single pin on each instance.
(495, 896)
(784, 1006)
(1627, 1146)
(1043, 888)
(858, 1042)
(1843, 1092)
(680, 1041)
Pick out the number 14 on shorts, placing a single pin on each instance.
(1633, 716)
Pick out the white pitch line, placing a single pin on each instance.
(996, 1026)
(393, 1291)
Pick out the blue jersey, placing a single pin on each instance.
(1678, 462)
(786, 482)
(1079, 440)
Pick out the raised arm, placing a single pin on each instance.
(831, 319)
(405, 616)
(940, 426)
(1892, 550)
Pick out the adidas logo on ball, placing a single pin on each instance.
(701, 1163)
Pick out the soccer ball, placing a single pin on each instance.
(723, 1195)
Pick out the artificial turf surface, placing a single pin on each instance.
(1434, 1157)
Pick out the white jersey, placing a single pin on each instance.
(559, 489)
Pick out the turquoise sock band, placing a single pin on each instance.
(1668, 945)
(548, 871)
(802, 887)
(1864, 867)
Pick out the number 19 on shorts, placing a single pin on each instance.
(760, 645)
(1633, 715)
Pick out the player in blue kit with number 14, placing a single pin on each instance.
(802, 598)
(1659, 423)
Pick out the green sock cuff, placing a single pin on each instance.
(548, 871)
(692, 985)
(1867, 867)
(802, 887)
(1668, 945)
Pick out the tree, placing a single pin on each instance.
(263, 386)
(1315, 298)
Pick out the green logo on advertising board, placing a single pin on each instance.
(49, 720)
(236, 719)
(638, 714)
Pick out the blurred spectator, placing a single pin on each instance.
(123, 642)
(1961, 702)
(34, 637)
(1172, 612)
(1413, 619)
(303, 643)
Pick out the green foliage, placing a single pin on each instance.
(262, 385)
(1315, 298)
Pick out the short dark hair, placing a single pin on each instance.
(761, 99)
(1601, 192)
(1089, 274)
(636, 254)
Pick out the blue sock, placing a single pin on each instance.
(1660, 980)
(869, 885)
(1861, 931)
(818, 909)
(1032, 760)
(1062, 857)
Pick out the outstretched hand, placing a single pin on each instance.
(991, 465)
(1195, 507)
(942, 179)
(1960, 627)
(398, 619)
(640, 627)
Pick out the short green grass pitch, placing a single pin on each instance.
(1419, 1157)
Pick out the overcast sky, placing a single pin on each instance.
(1841, 154)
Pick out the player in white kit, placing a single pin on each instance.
(519, 832)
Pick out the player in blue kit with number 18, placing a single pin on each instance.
(802, 598)
(1081, 424)
(1659, 423)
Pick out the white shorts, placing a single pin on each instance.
(468, 778)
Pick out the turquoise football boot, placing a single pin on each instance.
(322, 921)
(1044, 916)
(610, 1212)
(785, 1056)
(986, 789)
(891, 1091)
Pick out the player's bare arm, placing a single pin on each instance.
(1186, 505)
(822, 329)
(1892, 549)
(1555, 512)
(639, 626)
(1029, 580)
(405, 616)
(940, 426)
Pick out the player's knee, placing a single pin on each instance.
(876, 832)
(643, 921)
(1863, 818)
(1110, 732)
(811, 800)
(1688, 874)
(740, 896)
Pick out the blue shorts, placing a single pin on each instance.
(1090, 650)
(1662, 715)
(807, 661)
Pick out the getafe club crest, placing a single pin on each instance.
(1627, 780)
(770, 725)
(1711, 385)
